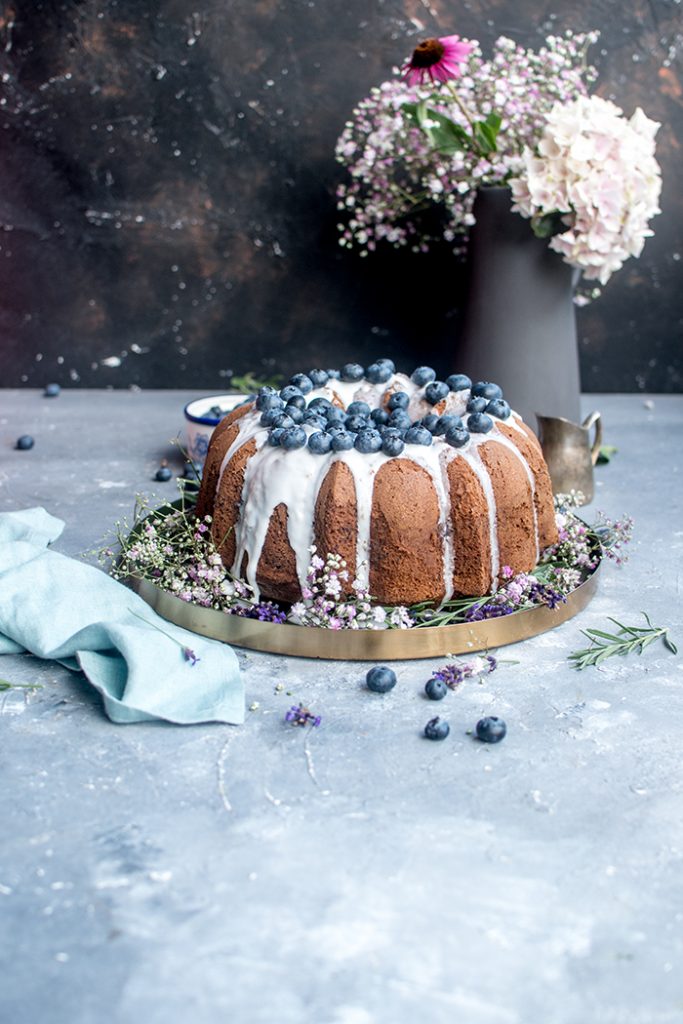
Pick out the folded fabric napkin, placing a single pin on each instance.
(57, 607)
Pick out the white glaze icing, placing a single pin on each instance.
(294, 478)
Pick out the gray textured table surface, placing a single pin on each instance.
(357, 874)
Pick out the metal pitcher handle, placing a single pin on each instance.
(593, 420)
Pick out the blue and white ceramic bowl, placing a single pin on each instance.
(201, 419)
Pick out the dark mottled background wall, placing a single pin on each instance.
(167, 189)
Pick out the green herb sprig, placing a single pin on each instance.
(628, 640)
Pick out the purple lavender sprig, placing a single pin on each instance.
(453, 675)
(299, 715)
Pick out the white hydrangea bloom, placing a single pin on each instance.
(597, 169)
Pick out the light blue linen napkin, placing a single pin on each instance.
(57, 607)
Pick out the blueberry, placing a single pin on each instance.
(445, 423)
(423, 375)
(269, 401)
(429, 422)
(358, 409)
(479, 423)
(318, 378)
(436, 391)
(399, 400)
(400, 418)
(498, 407)
(290, 392)
(368, 441)
(457, 436)
(418, 435)
(293, 437)
(24, 442)
(51, 390)
(216, 412)
(163, 473)
(437, 729)
(392, 445)
(379, 417)
(379, 373)
(356, 423)
(294, 412)
(352, 372)
(342, 441)
(335, 428)
(389, 431)
(275, 436)
(270, 415)
(458, 382)
(281, 419)
(436, 689)
(335, 414)
(484, 389)
(380, 679)
(321, 404)
(191, 472)
(320, 442)
(387, 362)
(333, 374)
(302, 382)
(298, 400)
(311, 420)
(491, 729)
(477, 404)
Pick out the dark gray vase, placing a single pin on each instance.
(519, 328)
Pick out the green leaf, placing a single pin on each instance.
(668, 642)
(606, 454)
(486, 134)
(4, 685)
(445, 135)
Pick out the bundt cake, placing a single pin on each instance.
(426, 488)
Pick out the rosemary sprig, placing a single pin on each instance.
(6, 685)
(628, 640)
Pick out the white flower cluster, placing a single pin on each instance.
(596, 169)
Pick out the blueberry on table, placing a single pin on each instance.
(436, 689)
(24, 442)
(163, 474)
(491, 729)
(380, 679)
(51, 390)
(437, 729)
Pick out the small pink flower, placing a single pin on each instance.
(437, 59)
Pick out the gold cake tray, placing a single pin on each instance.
(366, 644)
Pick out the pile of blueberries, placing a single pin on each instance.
(372, 430)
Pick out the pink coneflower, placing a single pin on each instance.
(437, 59)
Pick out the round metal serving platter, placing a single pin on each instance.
(366, 644)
